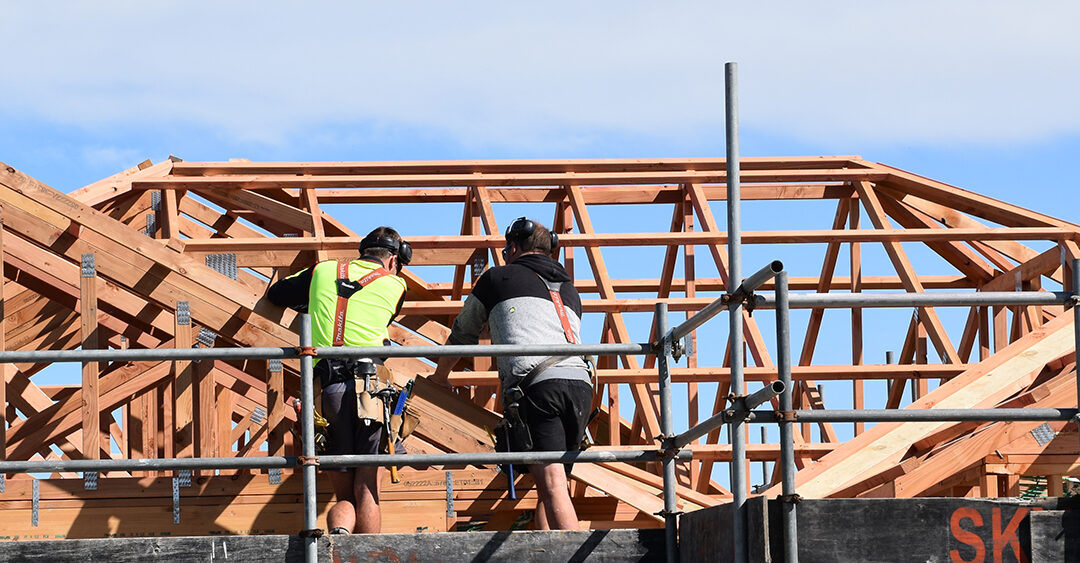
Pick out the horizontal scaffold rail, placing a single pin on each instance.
(433, 351)
(270, 462)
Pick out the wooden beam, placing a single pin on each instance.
(207, 184)
(903, 266)
(855, 267)
(91, 414)
(955, 253)
(367, 168)
(644, 395)
(207, 418)
(3, 346)
(979, 387)
(183, 387)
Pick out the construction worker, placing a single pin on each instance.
(368, 293)
(532, 300)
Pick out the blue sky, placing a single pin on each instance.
(978, 94)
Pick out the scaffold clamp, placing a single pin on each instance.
(789, 499)
(786, 416)
(749, 303)
(677, 349)
(306, 351)
(305, 460)
(313, 533)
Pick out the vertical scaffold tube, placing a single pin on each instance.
(1076, 325)
(737, 430)
(307, 429)
(667, 430)
(787, 438)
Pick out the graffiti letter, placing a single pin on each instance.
(1008, 536)
(965, 536)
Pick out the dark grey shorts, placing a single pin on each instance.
(556, 412)
(347, 434)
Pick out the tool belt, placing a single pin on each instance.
(515, 433)
(377, 395)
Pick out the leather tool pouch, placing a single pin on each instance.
(403, 424)
(511, 433)
(369, 383)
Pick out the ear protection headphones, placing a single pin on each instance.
(402, 250)
(523, 228)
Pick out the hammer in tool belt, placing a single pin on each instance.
(386, 394)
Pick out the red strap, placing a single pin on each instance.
(343, 303)
(557, 300)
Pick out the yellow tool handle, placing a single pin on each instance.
(394, 478)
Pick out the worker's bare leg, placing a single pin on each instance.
(343, 513)
(366, 493)
(540, 519)
(557, 512)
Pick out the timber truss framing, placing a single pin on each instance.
(183, 253)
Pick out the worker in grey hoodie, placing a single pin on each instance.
(532, 300)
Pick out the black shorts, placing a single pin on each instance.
(347, 434)
(556, 412)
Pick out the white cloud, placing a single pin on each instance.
(509, 73)
(109, 157)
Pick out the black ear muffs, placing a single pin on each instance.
(402, 250)
(404, 253)
(523, 228)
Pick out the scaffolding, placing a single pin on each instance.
(670, 448)
(45, 234)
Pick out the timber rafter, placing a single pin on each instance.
(156, 230)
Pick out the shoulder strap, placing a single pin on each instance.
(556, 299)
(345, 289)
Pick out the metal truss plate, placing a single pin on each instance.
(90, 480)
(87, 269)
(258, 415)
(2, 485)
(275, 366)
(275, 475)
(183, 477)
(155, 201)
(449, 494)
(478, 265)
(206, 337)
(35, 503)
(175, 500)
(1043, 434)
(183, 313)
(151, 225)
(224, 263)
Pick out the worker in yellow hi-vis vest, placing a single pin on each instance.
(351, 303)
